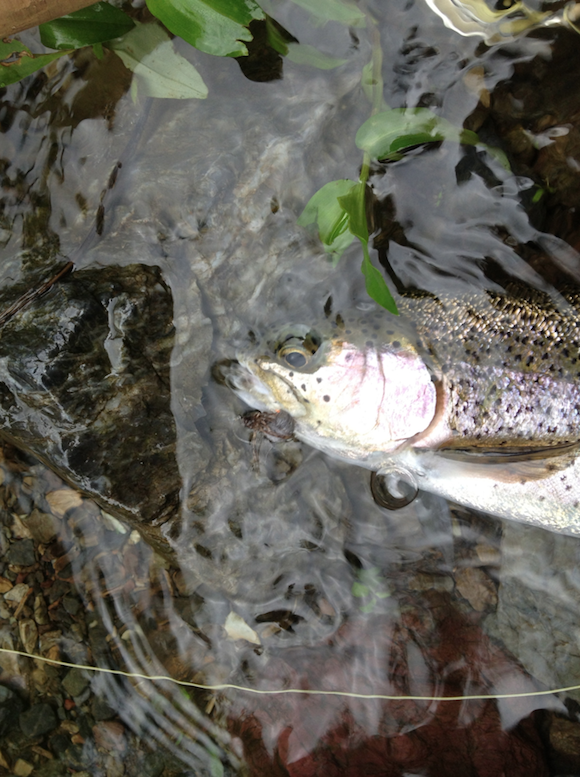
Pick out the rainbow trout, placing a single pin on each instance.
(474, 398)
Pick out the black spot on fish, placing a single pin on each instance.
(396, 344)
(326, 398)
(290, 374)
(303, 387)
(319, 380)
(369, 343)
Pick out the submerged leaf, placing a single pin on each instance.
(214, 26)
(162, 72)
(334, 11)
(389, 132)
(303, 54)
(325, 210)
(338, 210)
(359, 590)
(376, 286)
(25, 64)
(353, 204)
(95, 24)
(275, 37)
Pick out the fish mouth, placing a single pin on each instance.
(243, 382)
(220, 371)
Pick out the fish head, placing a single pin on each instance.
(352, 391)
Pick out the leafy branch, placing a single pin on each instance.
(218, 27)
(222, 28)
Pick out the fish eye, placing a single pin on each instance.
(294, 356)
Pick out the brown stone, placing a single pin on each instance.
(475, 586)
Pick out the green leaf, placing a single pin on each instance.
(275, 37)
(388, 132)
(373, 84)
(334, 11)
(95, 24)
(359, 590)
(324, 210)
(161, 71)
(353, 204)
(216, 766)
(538, 195)
(214, 26)
(303, 54)
(13, 46)
(24, 65)
(375, 284)
(498, 154)
(371, 576)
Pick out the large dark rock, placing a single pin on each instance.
(38, 720)
(10, 707)
(84, 385)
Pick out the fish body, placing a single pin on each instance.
(477, 18)
(475, 398)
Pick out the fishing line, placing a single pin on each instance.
(301, 691)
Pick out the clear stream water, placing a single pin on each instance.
(335, 593)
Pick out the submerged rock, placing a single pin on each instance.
(536, 617)
(84, 385)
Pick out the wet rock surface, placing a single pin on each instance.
(84, 384)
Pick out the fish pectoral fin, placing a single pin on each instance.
(507, 454)
(520, 465)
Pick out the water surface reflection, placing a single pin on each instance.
(280, 572)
